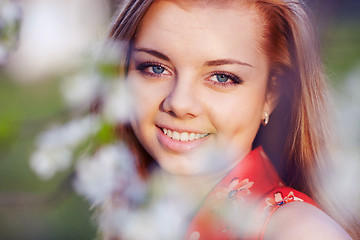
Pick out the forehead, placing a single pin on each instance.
(197, 9)
(231, 27)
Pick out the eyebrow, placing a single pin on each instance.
(153, 52)
(220, 62)
(217, 62)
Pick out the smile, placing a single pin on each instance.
(183, 136)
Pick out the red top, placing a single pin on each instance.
(241, 204)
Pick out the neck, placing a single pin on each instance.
(188, 190)
(191, 188)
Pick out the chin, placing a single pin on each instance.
(194, 164)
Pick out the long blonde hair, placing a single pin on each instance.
(300, 122)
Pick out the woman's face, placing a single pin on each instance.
(198, 80)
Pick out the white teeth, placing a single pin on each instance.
(184, 136)
(169, 133)
(175, 135)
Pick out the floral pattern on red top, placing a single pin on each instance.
(226, 198)
(279, 199)
(242, 203)
(236, 190)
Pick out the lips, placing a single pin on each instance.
(180, 141)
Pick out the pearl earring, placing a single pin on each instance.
(265, 121)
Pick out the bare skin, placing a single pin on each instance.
(303, 221)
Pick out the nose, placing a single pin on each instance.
(182, 100)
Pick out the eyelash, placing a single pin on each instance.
(234, 80)
(142, 66)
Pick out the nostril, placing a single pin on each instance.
(181, 103)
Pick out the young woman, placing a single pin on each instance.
(215, 85)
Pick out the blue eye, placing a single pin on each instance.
(222, 78)
(158, 69)
(153, 69)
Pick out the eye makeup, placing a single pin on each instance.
(224, 79)
(152, 69)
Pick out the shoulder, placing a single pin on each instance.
(302, 220)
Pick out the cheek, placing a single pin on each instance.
(143, 107)
(143, 99)
(236, 117)
(239, 116)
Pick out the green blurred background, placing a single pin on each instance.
(34, 209)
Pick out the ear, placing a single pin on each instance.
(272, 95)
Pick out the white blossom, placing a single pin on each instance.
(54, 36)
(164, 214)
(10, 16)
(117, 103)
(109, 54)
(161, 220)
(81, 89)
(347, 153)
(70, 134)
(348, 110)
(96, 177)
(109, 171)
(9, 11)
(111, 218)
(46, 162)
(55, 146)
